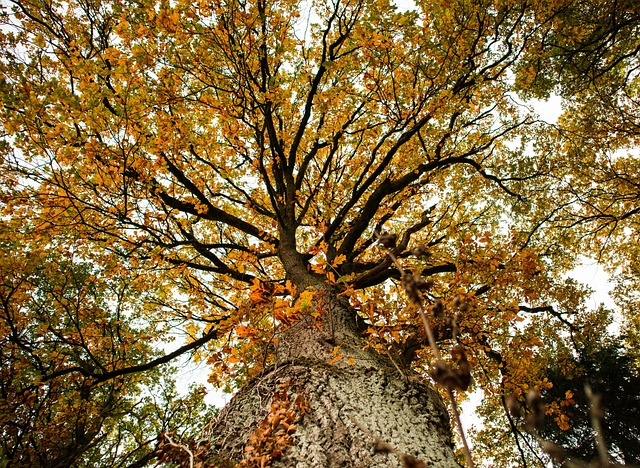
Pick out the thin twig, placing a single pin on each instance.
(387, 241)
(183, 447)
(430, 336)
(456, 416)
(595, 411)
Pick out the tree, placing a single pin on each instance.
(243, 162)
(609, 372)
(58, 332)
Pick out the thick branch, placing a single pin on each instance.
(215, 214)
(103, 377)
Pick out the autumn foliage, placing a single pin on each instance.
(194, 178)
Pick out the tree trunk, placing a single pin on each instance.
(342, 410)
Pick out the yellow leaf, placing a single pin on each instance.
(339, 260)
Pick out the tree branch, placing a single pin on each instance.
(103, 377)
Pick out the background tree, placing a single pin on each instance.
(232, 165)
(70, 338)
(610, 373)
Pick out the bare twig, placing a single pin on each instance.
(170, 442)
(456, 415)
(595, 411)
(442, 372)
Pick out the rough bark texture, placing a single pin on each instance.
(352, 403)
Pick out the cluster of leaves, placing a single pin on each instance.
(253, 335)
(274, 433)
(72, 344)
(610, 373)
(527, 366)
(266, 444)
(589, 394)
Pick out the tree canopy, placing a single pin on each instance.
(609, 372)
(199, 168)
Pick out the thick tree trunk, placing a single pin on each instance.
(341, 409)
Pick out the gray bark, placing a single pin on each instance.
(352, 403)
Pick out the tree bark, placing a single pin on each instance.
(349, 406)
